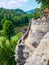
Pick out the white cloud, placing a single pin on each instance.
(17, 1)
(12, 3)
(24, 0)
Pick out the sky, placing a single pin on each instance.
(21, 4)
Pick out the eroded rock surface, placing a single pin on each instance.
(41, 54)
(27, 50)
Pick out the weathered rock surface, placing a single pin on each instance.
(41, 54)
(33, 47)
(22, 53)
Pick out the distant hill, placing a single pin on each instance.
(19, 11)
(30, 11)
(12, 11)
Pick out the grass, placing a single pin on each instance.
(20, 29)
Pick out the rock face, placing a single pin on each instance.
(41, 54)
(33, 47)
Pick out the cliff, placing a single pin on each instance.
(33, 47)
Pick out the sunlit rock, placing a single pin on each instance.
(33, 47)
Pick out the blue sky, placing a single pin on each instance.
(22, 4)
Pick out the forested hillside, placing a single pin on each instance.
(14, 15)
(17, 16)
(12, 24)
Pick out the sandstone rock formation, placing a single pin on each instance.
(33, 47)
(41, 54)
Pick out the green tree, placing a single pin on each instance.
(44, 2)
(0, 26)
(8, 29)
(37, 13)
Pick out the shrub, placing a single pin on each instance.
(17, 37)
(7, 54)
(7, 50)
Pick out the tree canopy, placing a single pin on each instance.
(17, 16)
(8, 29)
(44, 2)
